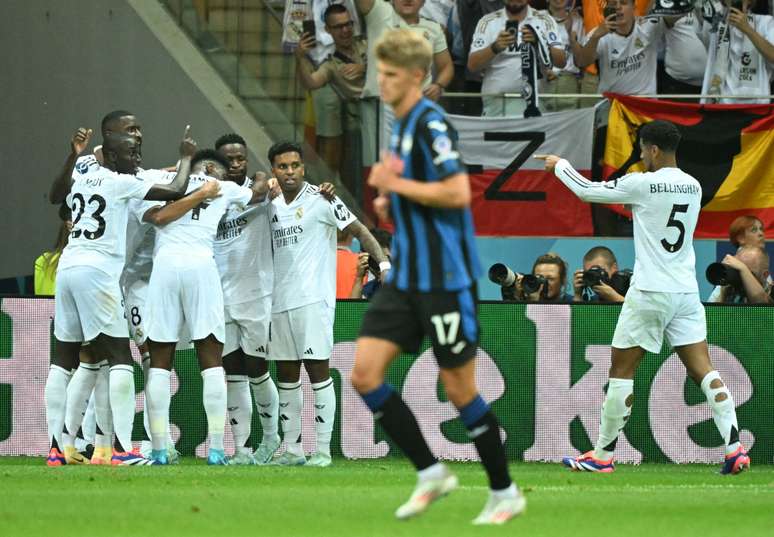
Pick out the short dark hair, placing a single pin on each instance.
(600, 251)
(662, 134)
(231, 138)
(382, 236)
(110, 117)
(209, 154)
(553, 259)
(333, 9)
(280, 148)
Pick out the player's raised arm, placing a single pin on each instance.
(618, 191)
(176, 189)
(260, 187)
(452, 192)
(161, 216)
(62, 183)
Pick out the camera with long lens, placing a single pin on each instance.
(507, 280)
(720, 274)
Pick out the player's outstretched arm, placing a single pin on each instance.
(368, 243)
(64, 181)
(161, 216)
(176, 189)
(260, 187)
(592, 191)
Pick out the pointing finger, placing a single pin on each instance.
(540, 157)
(187, 131)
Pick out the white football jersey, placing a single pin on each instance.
(194, 233)
(685, 55)
(140, 235)
(665, 208)
(243, 252)
(99, 201)
(748, 71)
(304, 239)
(627, 64)
(503, 74)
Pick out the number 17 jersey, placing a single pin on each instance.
(665, 209)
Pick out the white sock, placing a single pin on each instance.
(615, 412)
(102, 414)
(239, 402)
(324, 413)
(56, 402)
(158, 399)
(145, 411)
(78, 394)
(122, 403)
(214, 397)
(509, 492)
(291, 402)
(89, 425)
(436, 471)
(723, 410)
(267, 402)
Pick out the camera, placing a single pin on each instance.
(621, 280)
(720, 274)
(506, 278)
(531, 283)
(594, 276)
(502, 275)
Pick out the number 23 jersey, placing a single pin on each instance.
(99, 202)
(665, 209)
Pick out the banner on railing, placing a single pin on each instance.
(512, 194)
(542, 367)
(728, 148)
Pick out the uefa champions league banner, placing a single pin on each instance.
(542, 367)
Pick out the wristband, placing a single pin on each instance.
(384, 266)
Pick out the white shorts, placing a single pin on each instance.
(185, 297)
(647, 315)
(87, 303)
(247, 327)
(304, 333)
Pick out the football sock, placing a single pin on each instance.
(104, 432)
(158, 399)
(267, 401)
(122, 404)
(78, 394)
(399, 423)
(723, 409)
(145, 411)
(615, 411)
(56, 401)
(324, 413)
(291, 402)
(484, 430)
(214, 397)
(88, 427)
(239, 402)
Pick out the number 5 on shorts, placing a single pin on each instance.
(446, 327)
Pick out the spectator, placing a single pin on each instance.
(742, 64)
(752, 263)
(598, 257)
(565, 79)
(379, 16)
(626, 48)
(497, 52)
(47, 263)
(346, 264)
(746, 231)
(342, 73)
(549, 267)
(438, 11)
(685, 57)
(384, 238)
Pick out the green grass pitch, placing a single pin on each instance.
(358, 498)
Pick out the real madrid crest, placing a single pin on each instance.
(299, 213)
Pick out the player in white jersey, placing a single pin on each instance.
(185, 290)
(303, 228)
(244, 259)
(663, 297)
(88, 297)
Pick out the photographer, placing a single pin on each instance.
(600, 280)
(747, 280)
(545, 284)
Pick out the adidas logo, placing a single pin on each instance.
(615, 51)
(264, 415)
(260, 349)
(318, 419)
(232, 421)
(275, 219)
(309, 351)
(283, 417)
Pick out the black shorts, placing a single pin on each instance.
(406, 317)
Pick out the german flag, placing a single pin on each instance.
(729, 149)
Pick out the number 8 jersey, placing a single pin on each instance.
(99, 202)
(665, 209)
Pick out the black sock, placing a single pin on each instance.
(398, 421)
(485, 433)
